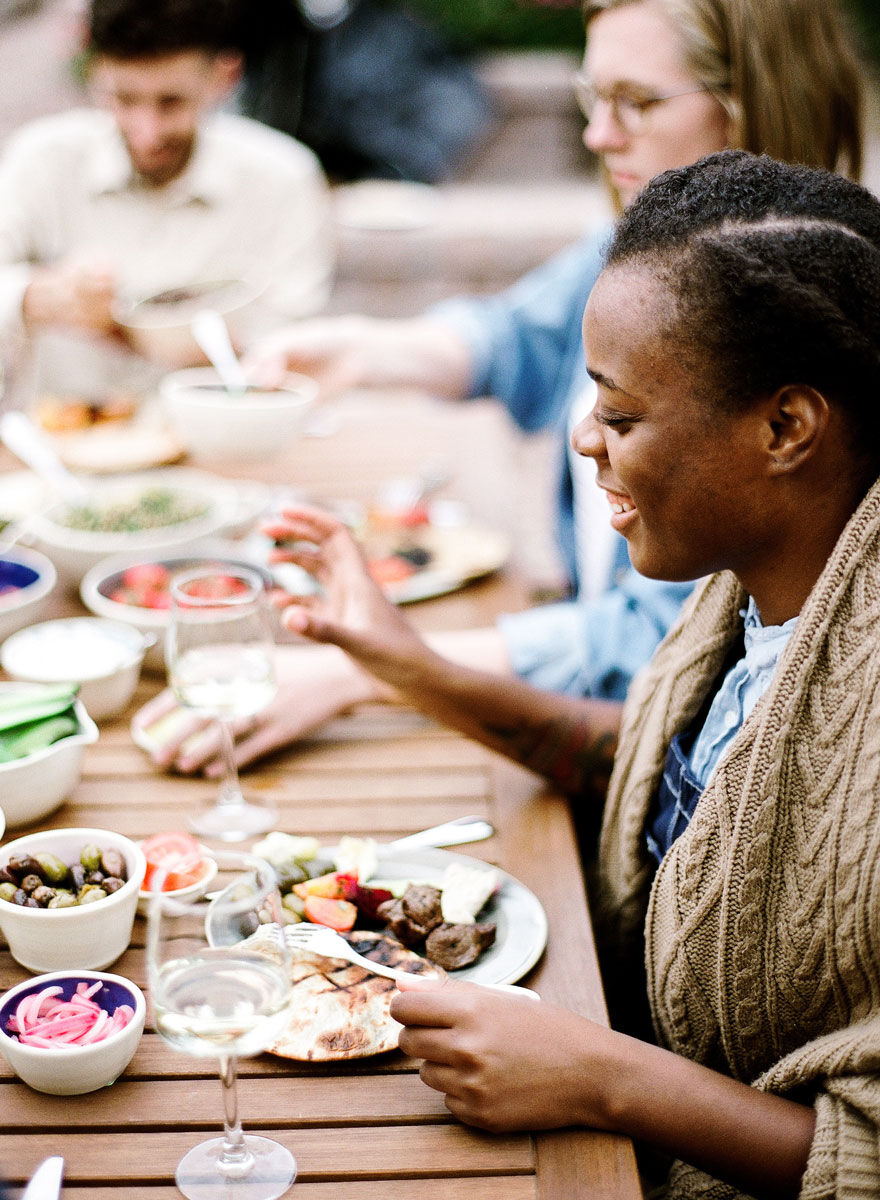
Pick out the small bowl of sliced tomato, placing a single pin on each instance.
(136, 590)
(177, 865)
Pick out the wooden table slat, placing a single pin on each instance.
(162, 1103)
(380, 1152)
(505, 1187)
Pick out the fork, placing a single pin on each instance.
(322, 940)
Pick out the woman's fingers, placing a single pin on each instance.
(167, 728)
(262, 740)
(198, 750)
(154, 709)
(302, 522)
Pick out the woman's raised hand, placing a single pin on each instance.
(349, 610)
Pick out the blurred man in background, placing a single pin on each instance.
(151, 191)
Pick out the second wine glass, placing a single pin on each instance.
(220, 657)
(219, 977)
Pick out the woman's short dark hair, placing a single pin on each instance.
(775, 271)
(149, 28)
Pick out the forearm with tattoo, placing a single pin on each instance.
(569, 751)
(568, 740)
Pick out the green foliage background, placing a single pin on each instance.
(866, 21)
(476, 25)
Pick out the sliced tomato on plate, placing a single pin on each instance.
(392, 569)
(177, 854)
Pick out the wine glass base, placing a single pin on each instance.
(200, 1177)
(234, 822)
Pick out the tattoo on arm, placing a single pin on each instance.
(565, 751)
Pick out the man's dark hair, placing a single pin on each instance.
(775, 271)
(149, 28)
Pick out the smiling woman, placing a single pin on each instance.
(734, 335)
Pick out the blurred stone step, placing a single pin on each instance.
(539, 130)
(476, 237)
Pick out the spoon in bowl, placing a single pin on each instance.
(212, 335)
(31, 445)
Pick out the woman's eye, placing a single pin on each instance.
(633, 105)
(613, 420)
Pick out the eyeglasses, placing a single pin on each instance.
(630, 112)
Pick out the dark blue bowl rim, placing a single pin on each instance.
(17, 574)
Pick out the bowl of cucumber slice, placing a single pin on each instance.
(44, 730)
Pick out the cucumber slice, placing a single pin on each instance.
(20, 707)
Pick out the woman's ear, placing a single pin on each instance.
(797, 418)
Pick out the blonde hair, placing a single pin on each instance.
(784, 70)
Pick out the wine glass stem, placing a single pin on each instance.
(236, 1160)
(230, 788)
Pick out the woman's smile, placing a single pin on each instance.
(623, 511)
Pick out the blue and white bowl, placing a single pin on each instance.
(31, 578)
(72, 1070)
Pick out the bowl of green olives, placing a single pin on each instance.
(68, 897)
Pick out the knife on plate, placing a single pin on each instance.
(450, 833)
(45, 1182)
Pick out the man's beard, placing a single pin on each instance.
(172, 163)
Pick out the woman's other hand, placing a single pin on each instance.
(315, 683)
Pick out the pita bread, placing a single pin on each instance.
(341, 1010)
(110, 449)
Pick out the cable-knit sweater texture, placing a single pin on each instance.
(761, 928)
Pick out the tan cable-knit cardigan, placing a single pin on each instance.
(761, 931)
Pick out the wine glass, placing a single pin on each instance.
(219, 655)
(220, 985)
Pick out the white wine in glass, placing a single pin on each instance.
(216, 994)
(220, 657)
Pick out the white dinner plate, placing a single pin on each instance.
(521, 933)
(460, 554)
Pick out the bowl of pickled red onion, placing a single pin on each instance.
(69, 1032)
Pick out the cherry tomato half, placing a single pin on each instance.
(178, 854)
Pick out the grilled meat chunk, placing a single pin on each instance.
(455, 946)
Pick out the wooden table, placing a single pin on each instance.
(365, 1130)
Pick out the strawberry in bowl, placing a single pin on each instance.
(136, 590)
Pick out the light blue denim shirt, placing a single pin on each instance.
(527, 351)
(740, 691)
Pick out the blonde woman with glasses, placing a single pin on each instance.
(663, 83)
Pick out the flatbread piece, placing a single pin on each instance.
(341, 1010)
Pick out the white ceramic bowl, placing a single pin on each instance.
(33, 577)
(159, 326)
(106, 577)
(217, 427)
(88, 936)
(33, 787)
(73, 1070)
(191, 892)
(74, 551)
(104, 657)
